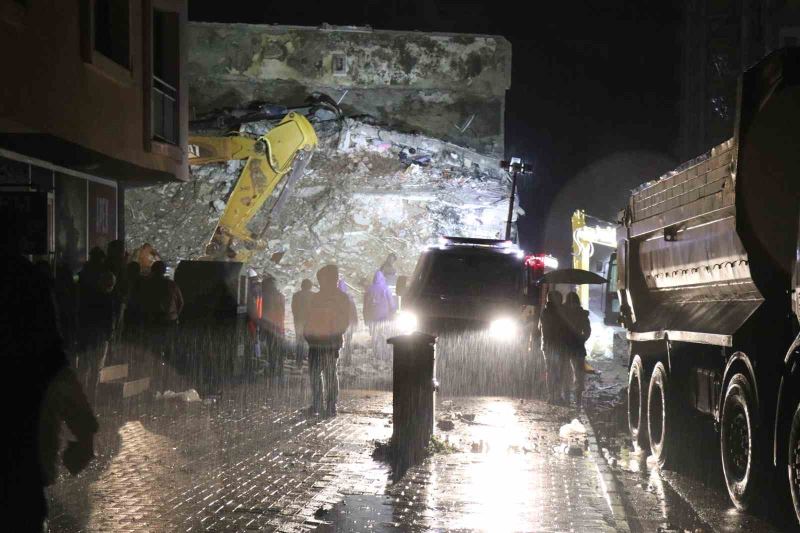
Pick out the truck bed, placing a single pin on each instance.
(702, 186)
(704, 247)
(695, 282)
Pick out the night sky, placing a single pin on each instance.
(589, 79)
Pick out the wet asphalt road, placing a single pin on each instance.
(253, 459)
(260, 463)
(688, 497)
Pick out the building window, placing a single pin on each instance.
(166, 61)
(339, 64)
(112, 30)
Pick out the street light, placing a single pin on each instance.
(515, 166)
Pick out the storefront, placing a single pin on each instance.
(83, 210)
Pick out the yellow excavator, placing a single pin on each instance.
(285, 149)
(584, 237)
(216, 288)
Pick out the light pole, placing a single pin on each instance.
(515, 166)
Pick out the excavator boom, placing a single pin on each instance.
(584, 237)
(285, 149)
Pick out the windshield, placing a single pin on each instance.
(473, 275)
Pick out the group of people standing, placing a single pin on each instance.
(114, 299)
(564, 328)
(324, 322)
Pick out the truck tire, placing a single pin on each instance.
(661, 423)
(739, 442)
(637, 404)
(793, 462)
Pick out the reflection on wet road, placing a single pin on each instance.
(691, 495)
(259, 463)
(506, 470)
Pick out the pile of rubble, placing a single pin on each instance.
(366, 192)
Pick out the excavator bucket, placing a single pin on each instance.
(285, 149)
(255, 185)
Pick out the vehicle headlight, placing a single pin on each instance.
(406, 321)
(504, 329)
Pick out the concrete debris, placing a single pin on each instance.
(573, 436)
(575, 450)
(190, 395)
(360, 199)
(572, 430)
(480, 447)
(446, 425)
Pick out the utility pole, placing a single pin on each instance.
(515, 166)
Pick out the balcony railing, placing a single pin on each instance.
(165, 111)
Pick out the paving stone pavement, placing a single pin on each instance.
(264, 465)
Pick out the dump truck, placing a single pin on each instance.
(708, 263)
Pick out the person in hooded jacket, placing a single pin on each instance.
(133, 313)
(116, 263)
(162, 304)
(327, 322)
(91, 301)
(389, 269)
(255, 310)
(553, 332)
(273, 323)
(66, 294)
(347, 348)
(378, 309)
(300, 302)
(579, 330)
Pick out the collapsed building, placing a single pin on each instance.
(390, 178)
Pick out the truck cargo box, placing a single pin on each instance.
(704, 246)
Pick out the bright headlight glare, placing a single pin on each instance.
(406, 321)
(503, 328)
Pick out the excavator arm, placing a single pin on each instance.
(584, 237)
(285, 149)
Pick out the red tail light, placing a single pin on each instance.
(535, 262)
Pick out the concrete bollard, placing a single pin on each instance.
(414, 389)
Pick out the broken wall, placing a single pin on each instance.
(448, 86)
(367, 192)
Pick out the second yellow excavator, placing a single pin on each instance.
(284, 151)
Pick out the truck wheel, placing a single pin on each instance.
(637, 402)
(660, 416)
(793, 464)
(738, 442)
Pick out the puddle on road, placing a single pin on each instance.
(357, 513)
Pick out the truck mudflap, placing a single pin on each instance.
(712, 322)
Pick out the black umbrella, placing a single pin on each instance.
(572, 276)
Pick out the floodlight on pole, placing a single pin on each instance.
(515, 166)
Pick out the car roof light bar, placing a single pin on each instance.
(494, 243)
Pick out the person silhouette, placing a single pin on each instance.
(41, 390)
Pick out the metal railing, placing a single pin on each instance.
(165, 111)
